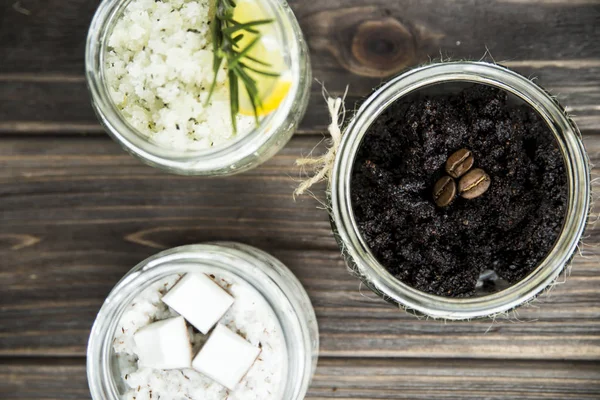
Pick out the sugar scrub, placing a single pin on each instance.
(250, 316)
(159, 70)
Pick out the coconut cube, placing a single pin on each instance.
(199, 300)
(226, 357)
(164, 345)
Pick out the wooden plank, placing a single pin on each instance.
(78, 213)
(49, 304)
(50, 37)
(34, 106)
(54, 323)
(44, 35)
(55, 107)
(358, 379)
(453, 379)
(392, 34)
(42, 89)
(43, 379)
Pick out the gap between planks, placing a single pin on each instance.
(330, 361)
(79, 78)
(49, 128)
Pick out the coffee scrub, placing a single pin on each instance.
(459, 190)
(448, 186)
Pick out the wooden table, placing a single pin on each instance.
(76, 212)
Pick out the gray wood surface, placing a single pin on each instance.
(345, 379)
(76, 212)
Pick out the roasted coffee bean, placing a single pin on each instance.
(459, 163)
(475, 183)
(444, 191)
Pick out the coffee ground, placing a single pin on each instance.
(442, 251)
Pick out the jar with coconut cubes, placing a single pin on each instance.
(269, 311)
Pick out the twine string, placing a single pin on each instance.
(323, 165)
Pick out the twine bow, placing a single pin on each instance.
(323, 165)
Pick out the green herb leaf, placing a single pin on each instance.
(233, 61)
(235, 98)
(260, 71)
(257, 61)
(245, 27)
(226, 35)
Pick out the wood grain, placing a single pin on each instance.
(54, 107)
(51, 39)
(77, 213)
(48, 37)
(42, 89)
(358, 379)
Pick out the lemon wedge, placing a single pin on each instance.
(272, 90)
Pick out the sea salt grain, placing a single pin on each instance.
(159, 70)
(250, 316)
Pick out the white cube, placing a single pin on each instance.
(199, 300)
(226, 357)
(164, 345)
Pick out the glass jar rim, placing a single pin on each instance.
(189, 162)
(256, 268)
(357, 252)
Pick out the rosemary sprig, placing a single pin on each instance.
(226, 35)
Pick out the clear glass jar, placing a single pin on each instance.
(247, 152)
(273, 280)
(356, 252)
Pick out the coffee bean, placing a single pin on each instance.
(444, 191)
(459, 163)
(475, 183)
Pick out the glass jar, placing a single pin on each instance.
(246, 152)
(355, 250)
(267, 275)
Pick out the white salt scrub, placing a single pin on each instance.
(250, 316)
(158, 69)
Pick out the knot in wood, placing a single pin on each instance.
(382, 47)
